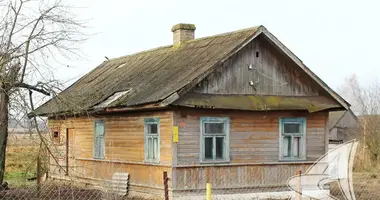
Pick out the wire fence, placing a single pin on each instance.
(114, 181)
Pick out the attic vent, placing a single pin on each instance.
(112, 98)
(120, 66)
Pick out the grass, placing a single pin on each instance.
(20, 164)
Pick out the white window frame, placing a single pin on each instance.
(102, 144)
(226, 135)
(302, 135)
(147, 122)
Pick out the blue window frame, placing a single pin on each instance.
(215, 132)
(99, 139)
(152, 140)
(292, 139)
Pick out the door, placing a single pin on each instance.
(70, 151)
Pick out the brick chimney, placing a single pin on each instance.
(183, 32)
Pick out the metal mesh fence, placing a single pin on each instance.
(225, 181)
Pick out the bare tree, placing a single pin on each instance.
(32, 33)
(365, 100)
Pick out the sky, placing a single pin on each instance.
(333, 38)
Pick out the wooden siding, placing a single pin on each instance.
(254, 136)
(249, 178)
(271, 73)
(124, 147)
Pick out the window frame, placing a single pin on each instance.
(302, 141)
(226, 149)
(148, 121)
(103, 141)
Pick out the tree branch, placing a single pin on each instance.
(31, 87)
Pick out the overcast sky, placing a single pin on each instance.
(333, 38)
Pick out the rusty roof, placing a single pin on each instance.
(150, 76)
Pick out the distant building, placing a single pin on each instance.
(343, 126)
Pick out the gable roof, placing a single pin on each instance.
(157, 75)
(334, 117)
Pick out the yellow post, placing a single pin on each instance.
(208, 191)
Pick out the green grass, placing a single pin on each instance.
(20, 165)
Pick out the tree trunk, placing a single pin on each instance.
(4, 101)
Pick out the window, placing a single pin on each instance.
(56, 137)
(99, 141)
(214, 139)
(152, 140)
(292, 139)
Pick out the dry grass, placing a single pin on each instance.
(21, 159)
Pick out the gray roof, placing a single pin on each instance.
(334, 117)
(150, 76)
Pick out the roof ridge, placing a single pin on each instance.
(226, 33)
(189, 41)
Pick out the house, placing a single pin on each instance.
(238, 110)
(343, 126)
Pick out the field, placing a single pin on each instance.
(21, 159)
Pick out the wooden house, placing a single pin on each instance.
(238, 110)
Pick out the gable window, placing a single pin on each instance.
(99, 140)
(214, 139)
(292, 138)
(152, 140)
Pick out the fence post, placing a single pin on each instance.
(166, 185)
(38, 175)
(298, 186)
(208, 191)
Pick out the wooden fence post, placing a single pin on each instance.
(165, 177)
(298, 186)
(208, 191)
(38, 175)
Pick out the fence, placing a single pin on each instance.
(222, 181)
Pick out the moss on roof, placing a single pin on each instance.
(150, 75)
(257, 103)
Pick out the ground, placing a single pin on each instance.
(21, 159)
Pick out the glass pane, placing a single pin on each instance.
(286, 146)
(296, 147)
(155, 149)
(292, 128)
(150, 148)
(214, 128)
(208, 148)
(152, 129)
(99, 128)
(219, 147)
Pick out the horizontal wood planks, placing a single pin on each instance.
(252, 177)
(271, 73)
(254, 136)
(124, 142)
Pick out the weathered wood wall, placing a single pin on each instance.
(236, 178)
(124, 149)
(254, 136)
(271, 73)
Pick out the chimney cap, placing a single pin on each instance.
(183, 27)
